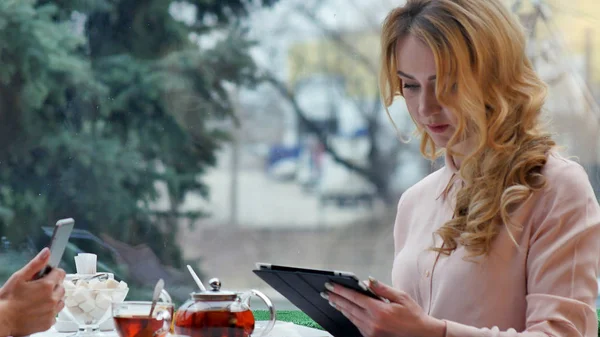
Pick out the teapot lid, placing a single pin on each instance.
(215, 294)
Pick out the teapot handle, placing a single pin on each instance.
(265, 331)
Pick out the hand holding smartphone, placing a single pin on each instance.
(60, 238)
(24, 298)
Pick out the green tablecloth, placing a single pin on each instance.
(300, 318)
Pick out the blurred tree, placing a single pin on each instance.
(349, 54)
(101, 100)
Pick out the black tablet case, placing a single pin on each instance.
(303, 290)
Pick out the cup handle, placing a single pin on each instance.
(165, 297)
(166, 328)
(265, 331)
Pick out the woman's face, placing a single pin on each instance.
(417, 72)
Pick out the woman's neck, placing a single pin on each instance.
(456, 161)
(461, 150)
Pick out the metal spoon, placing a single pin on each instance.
(196, 278)
(99, 276)
(157, 290)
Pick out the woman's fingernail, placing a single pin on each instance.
(332, 304)
(328, 286)
(325, 296)
(372, 281)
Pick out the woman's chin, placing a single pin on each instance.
(439, 142)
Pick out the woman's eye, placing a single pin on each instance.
(410, 86)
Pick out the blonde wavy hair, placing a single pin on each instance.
(485, 78)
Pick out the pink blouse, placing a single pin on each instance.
(546, 287)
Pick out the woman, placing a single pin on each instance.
(504, 239)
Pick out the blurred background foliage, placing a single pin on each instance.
(88, 120)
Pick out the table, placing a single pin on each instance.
(281, 329)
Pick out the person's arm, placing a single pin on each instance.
(399, 230)
(562, 266)
(28, 306)
(5, 323)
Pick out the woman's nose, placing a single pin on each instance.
(428, 104)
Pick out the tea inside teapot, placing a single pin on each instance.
(219, 323)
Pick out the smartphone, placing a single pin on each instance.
(58, 244)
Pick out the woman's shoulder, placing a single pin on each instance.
(428, 186)
(568, 189)
(567, 206)
(565, 175)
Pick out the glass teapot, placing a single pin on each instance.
(220, 313)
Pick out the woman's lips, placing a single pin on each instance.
(437, 128)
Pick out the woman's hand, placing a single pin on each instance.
(401, 317)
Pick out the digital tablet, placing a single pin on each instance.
(303, 287)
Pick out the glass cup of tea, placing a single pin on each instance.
(133, 318)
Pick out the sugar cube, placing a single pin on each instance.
(70, 301)
(75, 311)
(97, 313)
(88, 305)
(82, 283)
(68, 285)
(80, 295)
(111, 284)
(93, 283)
(100, 285)
(103, 301)
(119, 296)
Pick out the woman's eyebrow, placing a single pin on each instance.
(403, 74)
